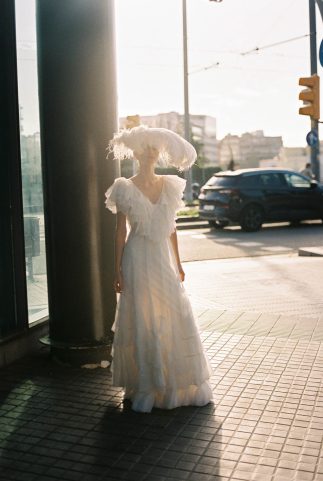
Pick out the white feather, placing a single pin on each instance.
(173, 149)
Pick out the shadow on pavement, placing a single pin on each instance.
(69, 423)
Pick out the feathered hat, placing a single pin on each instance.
(173, 149)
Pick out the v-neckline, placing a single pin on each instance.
(145, 196)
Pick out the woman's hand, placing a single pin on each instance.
(181, 272)
(118, 282)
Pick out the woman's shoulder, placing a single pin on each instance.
(120, 184)
(121, 181)
(118, 194)
(175, 182)
(118, 188)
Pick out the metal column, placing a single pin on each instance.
(187, 127)
(78, 113)
(13, 291)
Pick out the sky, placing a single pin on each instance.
(244, 90)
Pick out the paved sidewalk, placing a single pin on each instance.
(280, 296)
(266, 423)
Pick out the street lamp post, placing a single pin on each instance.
(188, 173)
(187, 130)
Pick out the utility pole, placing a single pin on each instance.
(315, 149)
(187, 133)
(187, 129)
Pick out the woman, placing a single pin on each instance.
(158, 357)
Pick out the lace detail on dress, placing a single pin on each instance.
(155, 221)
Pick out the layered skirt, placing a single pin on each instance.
(158, 357)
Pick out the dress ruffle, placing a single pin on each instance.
(154, 221)
(174, 191)
(158, 356)
(118, 196)
(170, 398)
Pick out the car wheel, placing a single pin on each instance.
(218, 224)
(251, 218)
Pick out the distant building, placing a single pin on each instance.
(204, 132)
(297, 157)
(293, 157)
(269, 163)
(169, 120)
(249, 149)
(203, 129)
(229, 151)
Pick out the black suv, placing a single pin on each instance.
(250, 197)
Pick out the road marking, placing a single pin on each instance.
(249, 244)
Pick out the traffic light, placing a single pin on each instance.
(310, 96)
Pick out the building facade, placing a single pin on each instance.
(248, 150)
(294, 158)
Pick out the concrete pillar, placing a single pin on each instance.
(78, 114)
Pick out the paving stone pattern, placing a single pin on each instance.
(276, 284)
(265, 424)
(280, 296)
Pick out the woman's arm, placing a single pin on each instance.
(173, 239)
(120, 239)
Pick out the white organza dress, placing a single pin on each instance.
(158, 357)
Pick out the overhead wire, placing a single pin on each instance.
(248, 69)
(257, 49)
(213, 65)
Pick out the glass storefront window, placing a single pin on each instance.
(31, 161)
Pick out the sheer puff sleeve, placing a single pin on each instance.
(175, 187)
(117, 196)
(171, 203)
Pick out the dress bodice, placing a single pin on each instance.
(153, 220)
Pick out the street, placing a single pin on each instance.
(203, 244)
(255, 283)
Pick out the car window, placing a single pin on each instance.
(250, 181)
(271, 180)
(221, 181)
(295, 180)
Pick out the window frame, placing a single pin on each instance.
(13, 286)
(288, 175)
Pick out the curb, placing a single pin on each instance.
(311, 251)
(186, 222)
(187, 218)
